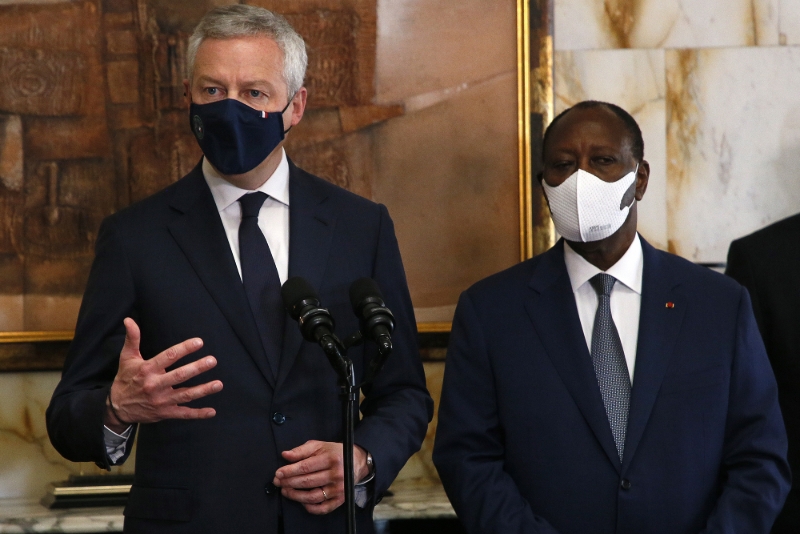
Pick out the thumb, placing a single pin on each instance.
(132, 336)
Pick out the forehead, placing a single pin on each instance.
(239, 56)
(587, 127)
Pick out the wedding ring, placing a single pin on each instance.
(324, 494)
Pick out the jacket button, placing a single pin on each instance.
(270, 488)
(278, 418)
(625, 484)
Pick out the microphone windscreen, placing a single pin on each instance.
(294, 291)
(361, 290)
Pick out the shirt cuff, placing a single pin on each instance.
(364, 492)
(116, 444)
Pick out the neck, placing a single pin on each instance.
(605, 253)
(257, 177)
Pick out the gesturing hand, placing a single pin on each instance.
(143, 392)
(315, 478)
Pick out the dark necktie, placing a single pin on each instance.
(608, 359)
(260, 277)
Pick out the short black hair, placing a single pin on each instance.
(635, 133)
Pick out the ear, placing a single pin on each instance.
(187, 93)
(297, 108)
(642, 177)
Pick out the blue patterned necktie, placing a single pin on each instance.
(260, 278)
(609, 364)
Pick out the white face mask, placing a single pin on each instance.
(585, 208)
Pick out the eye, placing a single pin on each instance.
(255, 93)
(561, 164)
(211, 91)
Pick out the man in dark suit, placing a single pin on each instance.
(767, 263)
(196, 271)
(605, 386)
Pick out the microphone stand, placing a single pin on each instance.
(336, 352)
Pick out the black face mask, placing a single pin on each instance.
(235, 137)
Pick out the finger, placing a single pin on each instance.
(184, 412)
(130, 349)
(325, 507)
(314, 480)
(311, 496)
(184, 395)
(309, 448)
(185, 372)
(176, 352)
(321, 462)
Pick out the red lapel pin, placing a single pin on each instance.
(670, 304)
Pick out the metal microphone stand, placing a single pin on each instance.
(336, 352)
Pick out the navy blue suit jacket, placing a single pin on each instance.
(524, 444)
(166, 263)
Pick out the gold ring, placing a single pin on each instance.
(324, 494)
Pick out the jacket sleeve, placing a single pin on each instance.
(75, 415)
(469, 452)
(397, 407)
(755, 471)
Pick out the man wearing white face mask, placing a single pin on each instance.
(605, 386)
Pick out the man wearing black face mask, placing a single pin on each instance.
(605, 386)
(184, 297)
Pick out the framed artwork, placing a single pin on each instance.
(433, 108)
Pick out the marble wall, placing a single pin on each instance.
(712, 84)
(28, 462)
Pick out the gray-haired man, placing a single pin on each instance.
(195, 271)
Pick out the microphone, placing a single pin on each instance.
(375, 319)
(316, 323)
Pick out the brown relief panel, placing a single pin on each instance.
(156, 162)
(11, 153)
(64, 206)
(448, 174)
(41, 82)
(340, 39)
(346, 161)
(62, 26)
(427, 46)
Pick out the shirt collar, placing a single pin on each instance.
(627, 270)
(225, 193)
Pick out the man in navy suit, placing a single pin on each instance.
(605, 386)
(181, 332)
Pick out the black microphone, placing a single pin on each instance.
(316, 323)
(375, 319)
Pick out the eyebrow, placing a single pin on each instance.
(206, 78)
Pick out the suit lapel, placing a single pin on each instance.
(201, 236)
(311, 226)
(555, 318)
(659, 327)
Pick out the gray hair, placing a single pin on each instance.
(240, 20)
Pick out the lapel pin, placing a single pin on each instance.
(670, 304)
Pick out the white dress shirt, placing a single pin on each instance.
(626, 296)
(273, 219)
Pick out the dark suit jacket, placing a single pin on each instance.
(767, 263)
(524, 444)
(166, 263)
